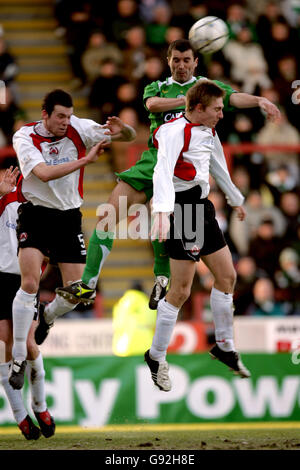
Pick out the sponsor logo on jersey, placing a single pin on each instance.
(169, 116)
(53, 151)
(23, 237)
(11, 225)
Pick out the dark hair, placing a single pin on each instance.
(202, 92)
(180, 45)
(56, 97)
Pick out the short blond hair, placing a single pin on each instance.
(203, 92)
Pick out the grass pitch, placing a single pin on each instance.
(243, 436)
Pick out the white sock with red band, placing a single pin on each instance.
(222, 310)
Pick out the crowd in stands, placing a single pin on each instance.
(114, 52)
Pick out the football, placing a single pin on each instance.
(208, 35)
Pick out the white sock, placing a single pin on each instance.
(14, 396)
(57, 308)
(165, 322)
(23, 313)
(222, 310)
(36, 377)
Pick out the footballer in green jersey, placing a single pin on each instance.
(140, 175)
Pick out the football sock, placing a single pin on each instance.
(165, 322)
(14, 396)
(57, 308)
(23, 313)
(36, 374)
(100, 245)
(161, 259)
(222, 311)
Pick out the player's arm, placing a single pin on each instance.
(50, 172)
(118, 130)
(219, 171)
(169, 147)
(8, 181)
(156, 104)
(244, 100)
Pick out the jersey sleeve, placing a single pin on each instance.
(28, 155)
(228, 90)
(150, 90)
(218, 169)
(169, 142)
(90, 131)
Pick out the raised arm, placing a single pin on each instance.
(8, 180)
(244, 100)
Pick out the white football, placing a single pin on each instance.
(208, 35)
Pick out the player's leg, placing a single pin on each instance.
(27, 427)
(182, 275)
(162, 273)
(101, 242)
(24, 305)
(221, 300)
(36, 377)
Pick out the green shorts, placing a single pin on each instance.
(140, 175)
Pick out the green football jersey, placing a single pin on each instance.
(171, 89)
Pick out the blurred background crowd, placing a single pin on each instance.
(114, 52)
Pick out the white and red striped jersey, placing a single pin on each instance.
(34, 144)
(187, 154)
(8, 240)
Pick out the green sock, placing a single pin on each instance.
(161, 259)
(100, 245)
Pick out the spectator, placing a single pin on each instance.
(287, 74)
(247, 275)
(237, 19)
(157, 29)
(79, 23)
(98, 49)
(135, 52)
(12, 117)
(283, 133)
(287, 280)
(265, 247)
(281, 180)
(282, 43)
(109, 80)
(264, 303)
(248, 64)
(119, 150)
(8, 66)
(289, 206)
(242, 235)
(127, 16)
(270, 14)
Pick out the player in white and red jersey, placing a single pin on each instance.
(52, 154)
(187, 150)
(10, 280)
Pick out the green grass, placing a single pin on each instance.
(280, 436)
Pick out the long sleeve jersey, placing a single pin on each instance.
(187, 154)
(8, 239)
(33, 145)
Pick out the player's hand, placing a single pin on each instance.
(240, 212)
(160, 227)
(96, 151)
(269, 108)
(9, 180)
(114, 125)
